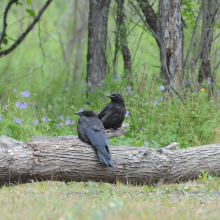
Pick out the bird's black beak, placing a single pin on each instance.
(109, 95)
(78, 113)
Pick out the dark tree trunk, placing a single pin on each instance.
(97, 37)
(151, 17)
(123, 38)
(121, 42)
(166, 28)
(210, 11)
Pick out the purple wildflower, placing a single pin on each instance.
(114, 79)
(68, 122)
(25, 93)
(162, 98)
(56, 105)
(89, 83)
(155, 102)
(17, 120)
(127, 113)
(161, 88)
(58, 125)
(209, 81)
(82, 82)
(145, 142)
(61, 116)
(218, 92)
(17, 104)
(73, 122)
(44, 119)
(66, 89)
(14, 90)
(128, 89)
(24, 105)
(6, 107)
(0, 117)
(142, 128)
(81, 109)
(36, 122)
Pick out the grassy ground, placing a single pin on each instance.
(58, 200)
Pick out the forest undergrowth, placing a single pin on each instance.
(155, 117)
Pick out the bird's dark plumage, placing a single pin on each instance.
(113, 114)
(91, 130)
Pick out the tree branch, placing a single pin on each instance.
(199, 51)
(5, 20)
(146, 24)
(21, 38)
(192, 40)
(109, 134)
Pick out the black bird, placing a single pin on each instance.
(91, 130)
(113, 114)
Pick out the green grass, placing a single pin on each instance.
(58, 200)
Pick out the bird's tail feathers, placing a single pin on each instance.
(104, 161)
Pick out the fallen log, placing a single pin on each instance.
(69, 159)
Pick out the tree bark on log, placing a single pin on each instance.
(69, 159)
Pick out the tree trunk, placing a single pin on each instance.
(210, 11)
(166, 28)
(121, 36)
(171, 41)
(97, 37)
(69, 159)
(123, 41)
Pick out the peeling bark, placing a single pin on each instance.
(171, 41)
(166, 27)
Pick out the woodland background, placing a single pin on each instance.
(48, 77)
(161, 55)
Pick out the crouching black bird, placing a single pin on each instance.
(113, 114)
(91, 130)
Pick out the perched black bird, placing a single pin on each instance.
(113, 114)
(91, 130)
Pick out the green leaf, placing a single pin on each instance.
(218, 186)
(5, 41)
(139, 143)
(18, 3)
(186, 187)
(29, 2)
(30, 12)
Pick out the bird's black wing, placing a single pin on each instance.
(105, 110)
(97, 137)
(114, 117)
